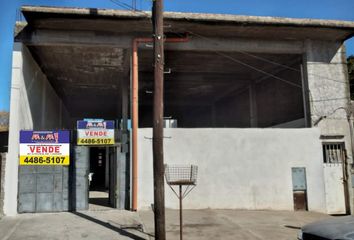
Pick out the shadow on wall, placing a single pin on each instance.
(327, 52)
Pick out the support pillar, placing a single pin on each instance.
(253, 105)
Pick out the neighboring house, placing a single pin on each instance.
(4, 138)
(4, 131)
(4, 121)
(260, 103)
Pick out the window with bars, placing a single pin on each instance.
(333, 152)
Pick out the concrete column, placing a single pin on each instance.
(253, 105)
(11, 168)
(61, 114)
(305, 95)
(2, 178)
(44, 105)
(213, 114)
(125, 102)
(107, 168)
(329, 93)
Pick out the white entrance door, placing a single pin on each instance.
(334, 188)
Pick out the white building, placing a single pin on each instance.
(261, 105)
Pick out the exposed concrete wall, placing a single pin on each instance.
(2, 177)
(327, 79)
(238, 168)
(328, 83)
(33, 105)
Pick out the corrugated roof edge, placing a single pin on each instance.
(199, 17)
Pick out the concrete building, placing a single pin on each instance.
(261, 105)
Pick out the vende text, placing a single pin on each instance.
(96, 133)
(44, 149)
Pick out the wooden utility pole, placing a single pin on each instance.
(158, 165)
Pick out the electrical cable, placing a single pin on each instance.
(125, 6)
(257, 69)
(267, 60)
(243, 63)
(262, 59)
(252, 67)
(120, 4)
(250, 54)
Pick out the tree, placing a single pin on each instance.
(350, 62)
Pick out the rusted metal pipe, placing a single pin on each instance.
(135, 120)
(135, 111)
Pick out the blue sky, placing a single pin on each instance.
(324, 9)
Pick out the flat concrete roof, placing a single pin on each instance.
(30, 11)
(222, 25)
(86, 52)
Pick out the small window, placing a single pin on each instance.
(333, 152)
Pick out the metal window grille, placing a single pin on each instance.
(333, 152)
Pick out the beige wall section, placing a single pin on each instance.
(34, 105)
(328, 82)
(238, 168)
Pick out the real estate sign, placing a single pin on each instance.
(45, 147)
(95, 132)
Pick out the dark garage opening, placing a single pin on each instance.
(205, 89)
(202, 89)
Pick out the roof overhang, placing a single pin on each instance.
(85, 53)
(215, 25)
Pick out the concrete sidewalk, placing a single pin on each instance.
(234, 224)
(88, 225)
(115, 224)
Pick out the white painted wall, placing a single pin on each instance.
(328, 83)
(238, 168)
(33, 105)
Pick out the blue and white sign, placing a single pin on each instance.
(45, 147)
(95, 132)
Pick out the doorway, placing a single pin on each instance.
(99, 175)
(98, 178)
(336, 177)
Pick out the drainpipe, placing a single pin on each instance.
(135, 112)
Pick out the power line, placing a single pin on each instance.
(120, 4)
(257, 69)
(267, 60)
(253, 67)
(125, 5)
(227, 56)
(282, 65)
(248, 54)
(256, 57)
